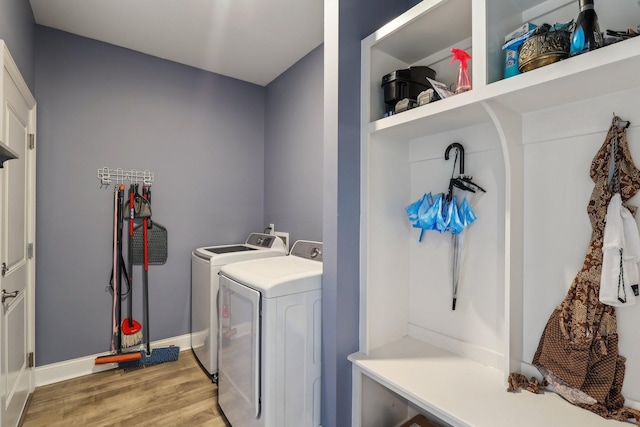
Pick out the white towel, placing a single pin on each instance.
(620, 256)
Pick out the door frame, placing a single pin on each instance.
(9, 64)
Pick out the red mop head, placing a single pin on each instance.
(131, 333)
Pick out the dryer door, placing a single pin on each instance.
(239, 352)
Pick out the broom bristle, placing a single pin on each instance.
(132, 339)
(157, 355)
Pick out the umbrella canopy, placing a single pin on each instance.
(439, 214)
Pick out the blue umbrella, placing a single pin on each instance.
(414, 209)
(467, 215)
(444, 214)
(423, 213)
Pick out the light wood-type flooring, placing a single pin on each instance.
(168, 394)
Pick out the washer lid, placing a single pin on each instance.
(227, 249)
(256, 246)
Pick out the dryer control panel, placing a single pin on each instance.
(308, 250)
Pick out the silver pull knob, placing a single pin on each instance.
(315, 253)
(6, 295)
(4, 269)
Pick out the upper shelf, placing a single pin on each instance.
(425, 34)
(607, 70)
(432, 26)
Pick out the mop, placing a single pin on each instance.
(117, 355)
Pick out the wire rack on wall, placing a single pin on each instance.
(120, 176)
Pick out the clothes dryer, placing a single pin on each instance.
(270, 335)
(205, 266)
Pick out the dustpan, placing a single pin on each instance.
(141, 206)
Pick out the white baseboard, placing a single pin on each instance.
(74, 368)
(481, 355)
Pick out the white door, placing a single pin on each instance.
(17, 225)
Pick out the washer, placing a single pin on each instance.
(205, 265)
(269, 348)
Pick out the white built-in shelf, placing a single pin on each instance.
(411, 344)
(461, 392)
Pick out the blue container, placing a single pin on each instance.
(512, 49)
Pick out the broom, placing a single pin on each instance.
(157, 355)
(131, 330)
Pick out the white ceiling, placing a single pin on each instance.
(250, 40)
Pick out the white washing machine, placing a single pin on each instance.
(270, 342)
(205, 266)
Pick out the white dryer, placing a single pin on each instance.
(270, 335)
(205, 266)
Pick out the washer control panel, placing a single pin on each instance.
(261, 240)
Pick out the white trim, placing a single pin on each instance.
(15, 74)
(74, 368)
(474, 352)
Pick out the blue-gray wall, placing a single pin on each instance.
(341, 211)
(293, 149)
(159, 110)
(17, 30)
(201, 134)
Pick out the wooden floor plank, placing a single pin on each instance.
(169, 394)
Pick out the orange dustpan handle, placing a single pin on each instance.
(118, 358)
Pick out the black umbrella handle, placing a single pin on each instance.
(460, 153)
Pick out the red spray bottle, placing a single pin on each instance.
(464, 83)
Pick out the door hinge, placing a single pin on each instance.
(30, 361)
(30, 250)
(32, 141)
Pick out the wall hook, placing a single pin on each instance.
(619, 123)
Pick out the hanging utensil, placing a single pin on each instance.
(145, 273)
(131, 329)
(116, 286)
(157, 239)
(162, 354)
(115, 271)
